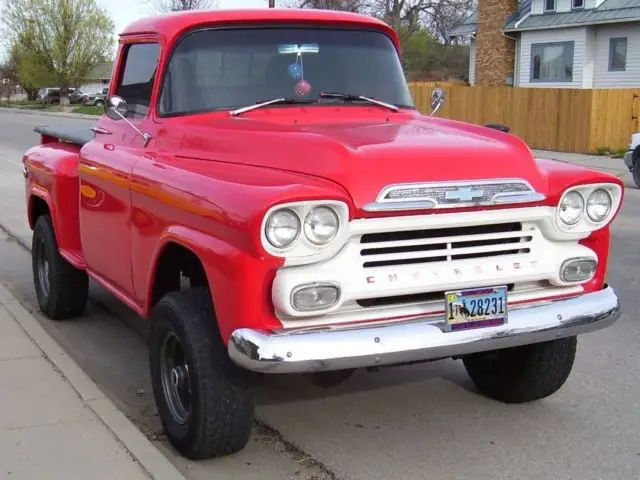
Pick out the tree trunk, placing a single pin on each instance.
(32, 94)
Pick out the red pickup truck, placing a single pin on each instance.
(262, 188)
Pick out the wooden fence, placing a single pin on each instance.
(565, 120)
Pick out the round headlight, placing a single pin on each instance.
(571, 208)
(599, 205)
(282, 228)
(321, 225)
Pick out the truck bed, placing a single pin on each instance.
(77, 135)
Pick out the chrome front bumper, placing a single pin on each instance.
(366, 346)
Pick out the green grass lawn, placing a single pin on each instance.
(85, 110)
(88, 110)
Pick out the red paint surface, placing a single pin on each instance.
(205, 181)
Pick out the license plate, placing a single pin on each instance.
(476, 308)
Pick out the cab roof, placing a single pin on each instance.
(172, 25)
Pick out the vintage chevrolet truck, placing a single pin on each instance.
(262, 189)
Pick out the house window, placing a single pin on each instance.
(577, 4)
(552, 62)
(617, 54)
(549, 5)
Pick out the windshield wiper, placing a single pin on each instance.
(357, 98)
(280, 101)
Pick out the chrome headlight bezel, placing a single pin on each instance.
(585, 224)
(305, 250)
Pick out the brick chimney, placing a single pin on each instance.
(494, 52)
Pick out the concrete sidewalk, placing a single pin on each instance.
(54, 421)
(614, 166)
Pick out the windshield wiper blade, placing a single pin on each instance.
(281, 101)
(354, 98)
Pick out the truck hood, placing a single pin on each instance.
(365, 156)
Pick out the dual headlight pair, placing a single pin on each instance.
(588, 207)
(284, 226)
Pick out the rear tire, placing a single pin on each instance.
(636, 175)
(523, 374)
(61, 289)
(204, 400)
(635, 170)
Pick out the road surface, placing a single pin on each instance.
(410, 423)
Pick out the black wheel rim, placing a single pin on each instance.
(42, 268)
(176, 381)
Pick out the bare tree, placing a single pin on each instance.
(405, 16)
(446, 15)
(354, 6)
(166, 6)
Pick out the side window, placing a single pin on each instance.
(136, 84)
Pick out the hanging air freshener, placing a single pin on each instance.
(295, 71)
(302, 88)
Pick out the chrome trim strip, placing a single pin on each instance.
(382, 204)
(418, 340)
(431, 204)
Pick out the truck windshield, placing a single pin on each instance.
(230, 68)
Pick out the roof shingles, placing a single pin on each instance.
(609, 11)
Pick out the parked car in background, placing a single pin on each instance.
(44, 94)
(632, 158)
(96, 99)
(52, 95)
(76, 96)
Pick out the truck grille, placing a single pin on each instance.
(444, 244)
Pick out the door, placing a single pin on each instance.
(105, 172)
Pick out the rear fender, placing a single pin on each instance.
(240, 283)
(52, 176)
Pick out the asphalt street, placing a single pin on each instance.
(414, 422)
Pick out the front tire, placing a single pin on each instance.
(61, 289)
(523, 374)
(204, 400)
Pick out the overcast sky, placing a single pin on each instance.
(124, 12)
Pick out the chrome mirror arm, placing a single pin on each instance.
(146, 137)
(115, 107)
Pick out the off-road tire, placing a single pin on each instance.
(523, 374)
(635, 167)
(221, 409)
(67, 290)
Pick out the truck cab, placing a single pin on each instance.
(262, 189)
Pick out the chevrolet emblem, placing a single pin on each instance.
(464, 194)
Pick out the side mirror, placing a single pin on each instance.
(116, 109)
(437, 100)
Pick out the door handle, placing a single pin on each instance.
(100, 130)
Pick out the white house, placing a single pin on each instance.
(569, 43)
(98, 79)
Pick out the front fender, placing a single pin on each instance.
(240, 284)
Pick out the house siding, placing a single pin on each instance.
(472, 62)
(537, 7)
(562, 6)
(576, 35)
(630, 77)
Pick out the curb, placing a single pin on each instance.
(25, 111)
(154, 463)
